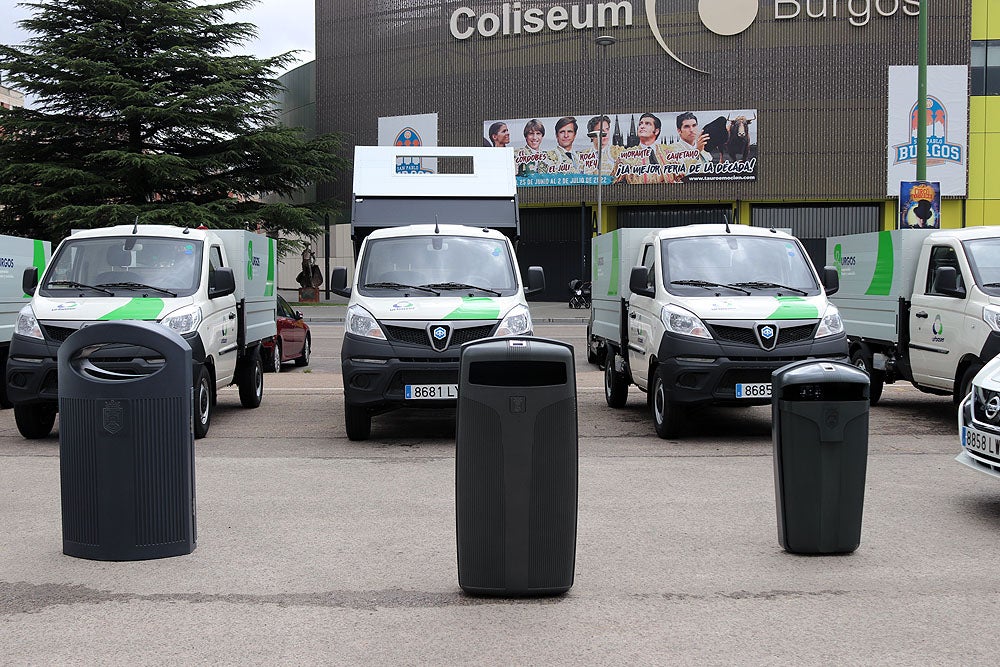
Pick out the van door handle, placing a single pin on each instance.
(632, 315)
(232, 316)
(922, 315)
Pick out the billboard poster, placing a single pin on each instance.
(636, 148)
(417, 130)
(946, 118)
(919, 205)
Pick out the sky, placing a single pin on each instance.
(282, 25)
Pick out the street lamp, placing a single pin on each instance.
(603, 41)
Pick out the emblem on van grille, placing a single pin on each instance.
(767, 335)
(440, 336)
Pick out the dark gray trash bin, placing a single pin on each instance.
(516, 465)
(820, 437)
(126, 442)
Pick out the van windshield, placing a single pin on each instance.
(984, 258)
(692, 266)
(437, 264)
(124, 266)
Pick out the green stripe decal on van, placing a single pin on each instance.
(882, 276)
(136, 309)
(475, 308)
(794, 308)
(269, 286)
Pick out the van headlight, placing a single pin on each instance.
(27, 325)
(516, 323)
(991, 315)
(831, 324)
(361, 323)
(679, 321)
(184, 320)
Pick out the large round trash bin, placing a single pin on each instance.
(126, 442)
(516, 463)
(820, 447)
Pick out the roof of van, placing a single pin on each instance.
(431, 230)
(717, 230)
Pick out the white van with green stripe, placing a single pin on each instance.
(703, 314)
(213, 287)
(920, 305)
(16, 255)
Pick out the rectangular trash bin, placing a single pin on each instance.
(126, 442)
(820, 447)
(516, 467)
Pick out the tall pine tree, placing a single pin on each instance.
(139, 112)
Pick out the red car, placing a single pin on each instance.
(293, 342)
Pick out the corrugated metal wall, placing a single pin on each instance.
(816, 222)
(655, 216)
(819, 85)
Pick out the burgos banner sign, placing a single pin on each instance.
(722, 17)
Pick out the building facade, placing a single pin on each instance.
(812, 76)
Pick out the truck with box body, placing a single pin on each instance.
(213, 287)
(922, 306)
(701, 315)
(16, 255)
(435, 268)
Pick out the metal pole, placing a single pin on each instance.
(922, 93)
(326, 255)
(603, 41)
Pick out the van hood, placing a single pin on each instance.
(95, 309)
(437, 308)
(756, 307)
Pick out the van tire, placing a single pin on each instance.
(203, 403)
(667, 418)
(35, 420)
(963, 388)
(4, 400)
(251, 380)
(876, 378)
(615, 384)
(358, 422)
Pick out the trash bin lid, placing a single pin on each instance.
(816, 371)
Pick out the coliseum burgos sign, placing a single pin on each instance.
(723, 17)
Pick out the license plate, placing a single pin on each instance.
(753, 390)
(432, 391)
(980, 442)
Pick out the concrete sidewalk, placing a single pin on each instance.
(542, 312)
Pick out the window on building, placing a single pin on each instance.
(985, 65)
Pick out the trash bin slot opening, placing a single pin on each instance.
(116, 362)
(825, 391)
(517, 373)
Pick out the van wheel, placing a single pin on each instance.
(4, 401)
(667, 418)
(358, 422)
(876, 378)
(963, 388)
(615, 385)
(251, 381)
(202, 403)
(35, 420)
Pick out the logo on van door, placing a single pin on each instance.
(938, 330)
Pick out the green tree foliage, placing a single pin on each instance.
(139, 112)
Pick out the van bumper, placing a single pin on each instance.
(705, 372)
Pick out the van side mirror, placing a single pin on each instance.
(638, 282)
(536, 280)
(221, 283)
(946, 282)
(338, 281)
(831, 280)
(29, 280)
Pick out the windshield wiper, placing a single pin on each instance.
(991, 285)
(757, 284)
(450, 286)
(708, 285)
(139, 286)
(73, 283)
(400, 286)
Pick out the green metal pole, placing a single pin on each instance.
(922, 94)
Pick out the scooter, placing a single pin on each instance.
(579, 293)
